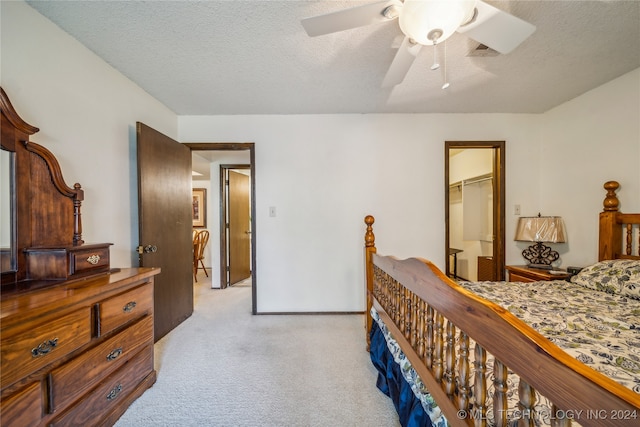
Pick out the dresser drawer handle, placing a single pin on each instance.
(115, 392)
(129, 307)
(93, 259)
(115, 353)
(44, 348)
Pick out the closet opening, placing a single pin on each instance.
(474, 210)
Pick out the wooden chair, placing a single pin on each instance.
(194, 234)
(199, 243)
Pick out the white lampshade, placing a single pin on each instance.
(541, 229)
(430, 22)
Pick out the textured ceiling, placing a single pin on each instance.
(254, 57)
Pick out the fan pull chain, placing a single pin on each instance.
(446, 80)
(435, 65)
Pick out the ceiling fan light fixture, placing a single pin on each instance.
(391, 12)
(433, 21)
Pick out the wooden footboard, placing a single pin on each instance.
(435, 321)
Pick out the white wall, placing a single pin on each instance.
(87, 114)
(323, 173)
(585, 142)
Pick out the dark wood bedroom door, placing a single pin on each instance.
(239, 227)
(165, 224)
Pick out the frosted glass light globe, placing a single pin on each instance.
(430, 22)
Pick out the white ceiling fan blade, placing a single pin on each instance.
(347, 19)
(497, 29)
(401, 63)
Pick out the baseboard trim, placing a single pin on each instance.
(314, 313)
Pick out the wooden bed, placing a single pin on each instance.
(434, 320)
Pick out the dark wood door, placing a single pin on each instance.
(165, 224)
(239, 228)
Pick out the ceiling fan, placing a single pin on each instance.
(427, 22)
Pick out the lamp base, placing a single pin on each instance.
(540, 256)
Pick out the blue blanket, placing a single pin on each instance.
(392, 383)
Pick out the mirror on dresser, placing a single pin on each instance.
(41, 215)
(7, 212)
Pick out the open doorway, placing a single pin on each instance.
(474, 210)
(222, 152)
(235, 224)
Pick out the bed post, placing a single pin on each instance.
(610, 238)
(369, 250)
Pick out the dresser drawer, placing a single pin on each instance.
(126, 307)
(108, 394)
(66, 262)
(88, 260)
(35, 348)
(23, 408)
(70, 381)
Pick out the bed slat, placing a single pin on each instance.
(526, 405)
(559, 418)
(500, 393)
(450, 359)
(480, 387)
(431, 337)
(438, 358)
(422, 314)
(464, 389)
(445, 404)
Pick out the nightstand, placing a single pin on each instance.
(522, 273)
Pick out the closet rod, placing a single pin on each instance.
(476, 180)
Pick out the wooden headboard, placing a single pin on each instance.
(617, 230)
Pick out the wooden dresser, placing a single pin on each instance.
(76, 336)
(79, 352)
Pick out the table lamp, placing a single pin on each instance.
(540, 229)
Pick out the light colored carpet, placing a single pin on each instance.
(226, 367)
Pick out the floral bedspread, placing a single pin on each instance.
(599, 329)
